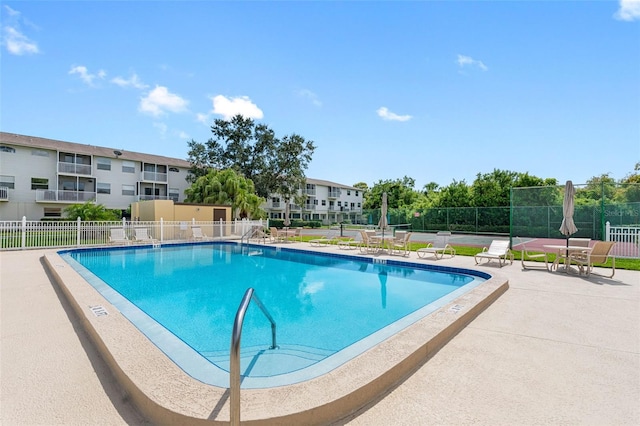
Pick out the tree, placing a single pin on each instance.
(91, 212)
(400, 193)
(273, 165)
(226, 187)
(456, 194)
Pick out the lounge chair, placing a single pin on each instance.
(118, 236)
(439, 247)
(498, 250)
(400, 244)
(197, 234)
(525, 254)
(598, 254)
(330, 238)
(142, 236)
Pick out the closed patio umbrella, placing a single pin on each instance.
(568, 227)
(382, 223)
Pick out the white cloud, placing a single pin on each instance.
(230, 107)
(629, 10)
(133, 81)
(162, 128)
(13, 39)
(308, 94)
(202, 118)
(464, 61)
(85, 75)
(388, 115)
(160, 101)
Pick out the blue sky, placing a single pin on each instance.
(434, 90)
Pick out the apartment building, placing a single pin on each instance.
(40, 177)
(328, 202)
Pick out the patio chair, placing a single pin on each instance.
(276, 235)
(400, 244)
(439, 247)
(370, 243)
(525, 254)
(599, 253)
(118, 236)
(573, 242)
(142, 236)
(497, 250)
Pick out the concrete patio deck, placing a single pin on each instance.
(554, 349)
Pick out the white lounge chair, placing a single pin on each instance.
(439, 247)
(498, 250)
(330, 238)
(598, 254)
(142, 236)
(197, 234)
(118, 236)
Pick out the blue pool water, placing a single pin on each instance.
(327, 308)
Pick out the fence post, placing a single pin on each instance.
(161, 229)
(78, 220)
(24, 232)
(607, 235)
(221, 229)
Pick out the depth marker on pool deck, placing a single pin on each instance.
(98, 311)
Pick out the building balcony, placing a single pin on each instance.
(74, 168)
(334, 194)
(67, 197)
(4, 193)
(153, 177)
(310, 191)
(309, 207)
(275, 205)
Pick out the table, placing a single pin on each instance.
(560, 248)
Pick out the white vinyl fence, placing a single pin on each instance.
(627, 239)
(27, 234)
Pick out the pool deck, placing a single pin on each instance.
(553, 349)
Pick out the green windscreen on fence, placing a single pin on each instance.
(537, 211)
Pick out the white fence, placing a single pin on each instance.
(26, 234)
(627, 239)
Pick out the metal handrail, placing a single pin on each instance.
(234, 361)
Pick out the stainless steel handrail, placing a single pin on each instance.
(234, 361)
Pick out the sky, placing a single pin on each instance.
(438, 91)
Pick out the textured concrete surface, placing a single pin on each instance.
(554, 349)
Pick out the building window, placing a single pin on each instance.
(174, 194)
(359, 205)
(52, 212)
(339, 203)
(4, 148)
(315, 201)
(356, 193)
(128, 167)
(39, 152)
(103, 188)
(348, 192)
(324, 202)
(353, 205)
(103, 163)
(128, 190)
(39, 183)
(174, 169)
(8, 181)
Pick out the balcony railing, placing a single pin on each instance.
(334, 194)
(53, 196)
(152, 197)
(310, 191)
(277, 205)
(74, 168)
(309, 206)
(4, 193)
(153, 177)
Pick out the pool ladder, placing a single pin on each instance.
(236, 335)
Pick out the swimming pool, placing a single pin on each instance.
(328, 309)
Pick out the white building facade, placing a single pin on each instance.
(326, 201)
(40, 177)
